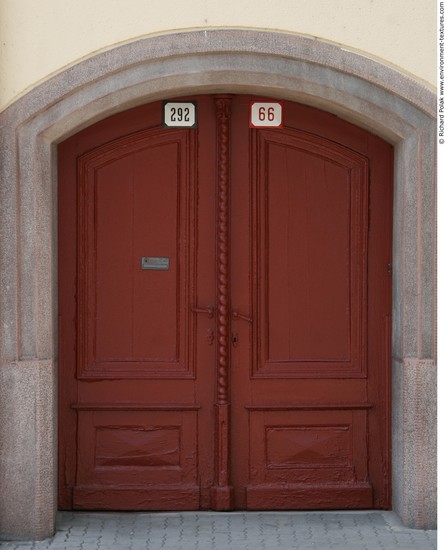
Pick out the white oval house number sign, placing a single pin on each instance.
(265, 114)
(180, 114)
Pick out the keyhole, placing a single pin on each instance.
(234, 339)
(210, 336)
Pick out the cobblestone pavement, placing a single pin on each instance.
(232, 531)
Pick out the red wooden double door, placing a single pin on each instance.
(224, 299)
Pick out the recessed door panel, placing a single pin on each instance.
(135, 274)
(312, 256)
(124, 452)
(319, 450)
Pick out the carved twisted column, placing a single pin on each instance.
(222, 492)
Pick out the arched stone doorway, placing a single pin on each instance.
(277, 65)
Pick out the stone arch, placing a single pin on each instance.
(285, 66)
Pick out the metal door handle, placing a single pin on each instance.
(237, 315)
(209, 310)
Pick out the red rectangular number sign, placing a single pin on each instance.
(266, 114)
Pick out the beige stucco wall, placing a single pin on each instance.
(40, 38)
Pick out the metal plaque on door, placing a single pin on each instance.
(155, 263)
(180, 114)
